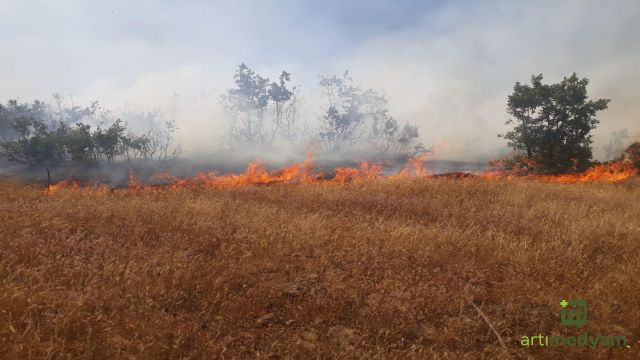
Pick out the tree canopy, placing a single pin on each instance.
(42, 134)
(553, 123)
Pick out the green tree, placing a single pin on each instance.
(79, 143)
(35, 144)
(41, 134)
(553, 123)
(109, 141)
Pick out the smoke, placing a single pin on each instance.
(445, 66)
(452, 74)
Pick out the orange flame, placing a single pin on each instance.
(303, 173)
(612, 172)
(365, 171)
(414, 167)
(73, 184)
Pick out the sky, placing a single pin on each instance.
(447, 66)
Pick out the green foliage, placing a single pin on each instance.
(79, 143)
(41, 134)
(35, 145)
(109, 142)
(553, 123)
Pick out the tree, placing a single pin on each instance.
(386, 135)
(553, 123)
(36, 144)
(247, 103)
(6, 130)
(15, 110)
(79, 143)
(41, 134)
(281, 96)
(161, 139)
(108, 142)
(255, 102)
(343, 118)
(351, 110)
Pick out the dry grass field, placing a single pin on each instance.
(384, 269)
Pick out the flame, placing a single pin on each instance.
(612, 172)
(414, 167)
(73, 184)
(365, 171)
(65, 184)
(132, 181)
(256, 173)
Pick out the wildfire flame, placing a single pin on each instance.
(93, 188)
(303, 173)
(612, 172)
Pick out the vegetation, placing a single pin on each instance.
(375, 269)
(248, 105)
(42, 134)
(553, 123)
(350, 108)
(261, 112)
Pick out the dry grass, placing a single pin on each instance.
(381, 269)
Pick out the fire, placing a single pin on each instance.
(603, 173)
(414, 167)
(612, 172)
(65, 184)
(257, 174)
(365, 171)
(73, 184)
(303, 173)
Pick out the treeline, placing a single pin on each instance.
(551, 126)
(263, 113)
(39, 133)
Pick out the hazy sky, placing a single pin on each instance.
(447, 66)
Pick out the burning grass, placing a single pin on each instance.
(395, 267)
(257, 174)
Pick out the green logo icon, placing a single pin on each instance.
(573, 312)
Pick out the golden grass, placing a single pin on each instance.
(379, 269)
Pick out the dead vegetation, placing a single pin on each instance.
(388, 268)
